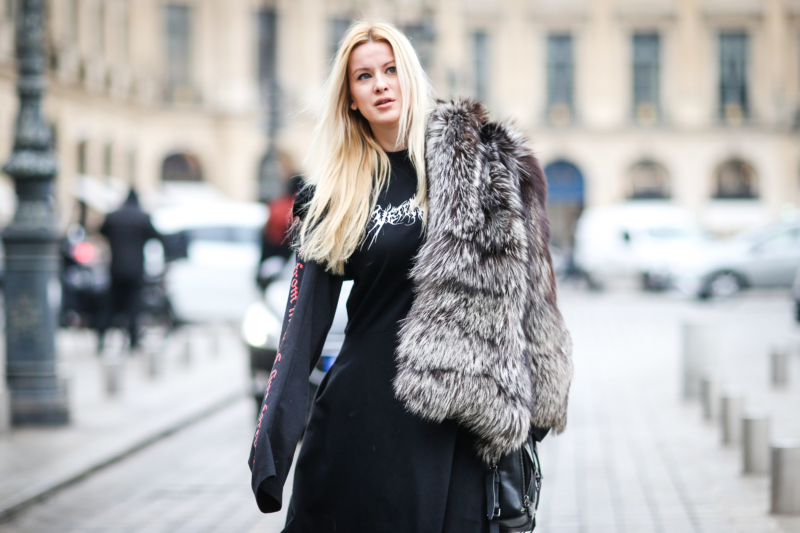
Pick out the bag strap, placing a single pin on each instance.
(493, 499)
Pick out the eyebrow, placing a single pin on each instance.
(365, 68)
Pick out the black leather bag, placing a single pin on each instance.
(512, 490)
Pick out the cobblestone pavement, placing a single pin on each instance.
(194, 481)
(637, 459)
(199, 371)
(634, 459)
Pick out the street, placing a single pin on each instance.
(635, 457)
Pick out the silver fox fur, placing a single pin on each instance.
(484, 342)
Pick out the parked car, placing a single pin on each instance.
(796, 295)
(215, 248)
(261, 329)
(765, 256)
(644, 240)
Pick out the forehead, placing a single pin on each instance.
(371, 54)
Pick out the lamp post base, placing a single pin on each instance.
(41, 405)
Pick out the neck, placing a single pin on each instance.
(386, 136)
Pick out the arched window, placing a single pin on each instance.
(181, 167)
(565, 198)
(648, 180)
(735, 179)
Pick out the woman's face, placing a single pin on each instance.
(374, 87)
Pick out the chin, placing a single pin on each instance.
(386, 120)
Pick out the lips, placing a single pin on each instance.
(384, 101)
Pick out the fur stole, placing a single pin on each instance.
(484, 342)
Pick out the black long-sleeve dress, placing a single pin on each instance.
(365, 465)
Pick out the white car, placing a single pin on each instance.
(216, 279)
(765, 256)
(644, 240)
(261, 329)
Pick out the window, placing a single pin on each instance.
(733, 76)
(72, 23)
(421, 35)
(736, 179)
(125, 29)
(783, 241)
(101, 26)
(181, 167)
(645, 77)
(338, 27)
(267, 58)
(480, 42)
(83, 158)
(131, 170)
(108, 160)
(178, 38)
(559, 79)
(648, 180)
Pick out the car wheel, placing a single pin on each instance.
(723, 285)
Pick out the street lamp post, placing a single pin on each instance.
(32, 293)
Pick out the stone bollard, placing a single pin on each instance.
(731, 417)
(709, 396)
(153, 349)
(779, 368)
(755, 452)
(785, 479)
(155, 363)
(113, 371)
(698, 351)
(215, 340)
(188, 349)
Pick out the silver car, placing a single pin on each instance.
(767, 256)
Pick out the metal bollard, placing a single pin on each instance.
(113, 370)
(755, 452)
(698, 347)
(779, 368)
(731, 417)
(785, 479)
(5, 410)
(709, 396)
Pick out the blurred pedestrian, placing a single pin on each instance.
(454, 350)
(127, 230)
(275, 239)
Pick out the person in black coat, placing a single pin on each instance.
(127, 230)
(455, 354)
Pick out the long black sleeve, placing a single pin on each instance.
(309, 313)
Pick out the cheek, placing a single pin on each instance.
(357, 96)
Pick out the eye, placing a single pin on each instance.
(363, 76)
(391, 70)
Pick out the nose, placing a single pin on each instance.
(380, 84)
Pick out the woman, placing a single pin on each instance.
(454, 348)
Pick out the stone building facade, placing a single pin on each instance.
(144, 90)
(693, 101)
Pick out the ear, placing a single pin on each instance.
(353, 106)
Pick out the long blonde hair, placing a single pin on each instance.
(345, 159)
